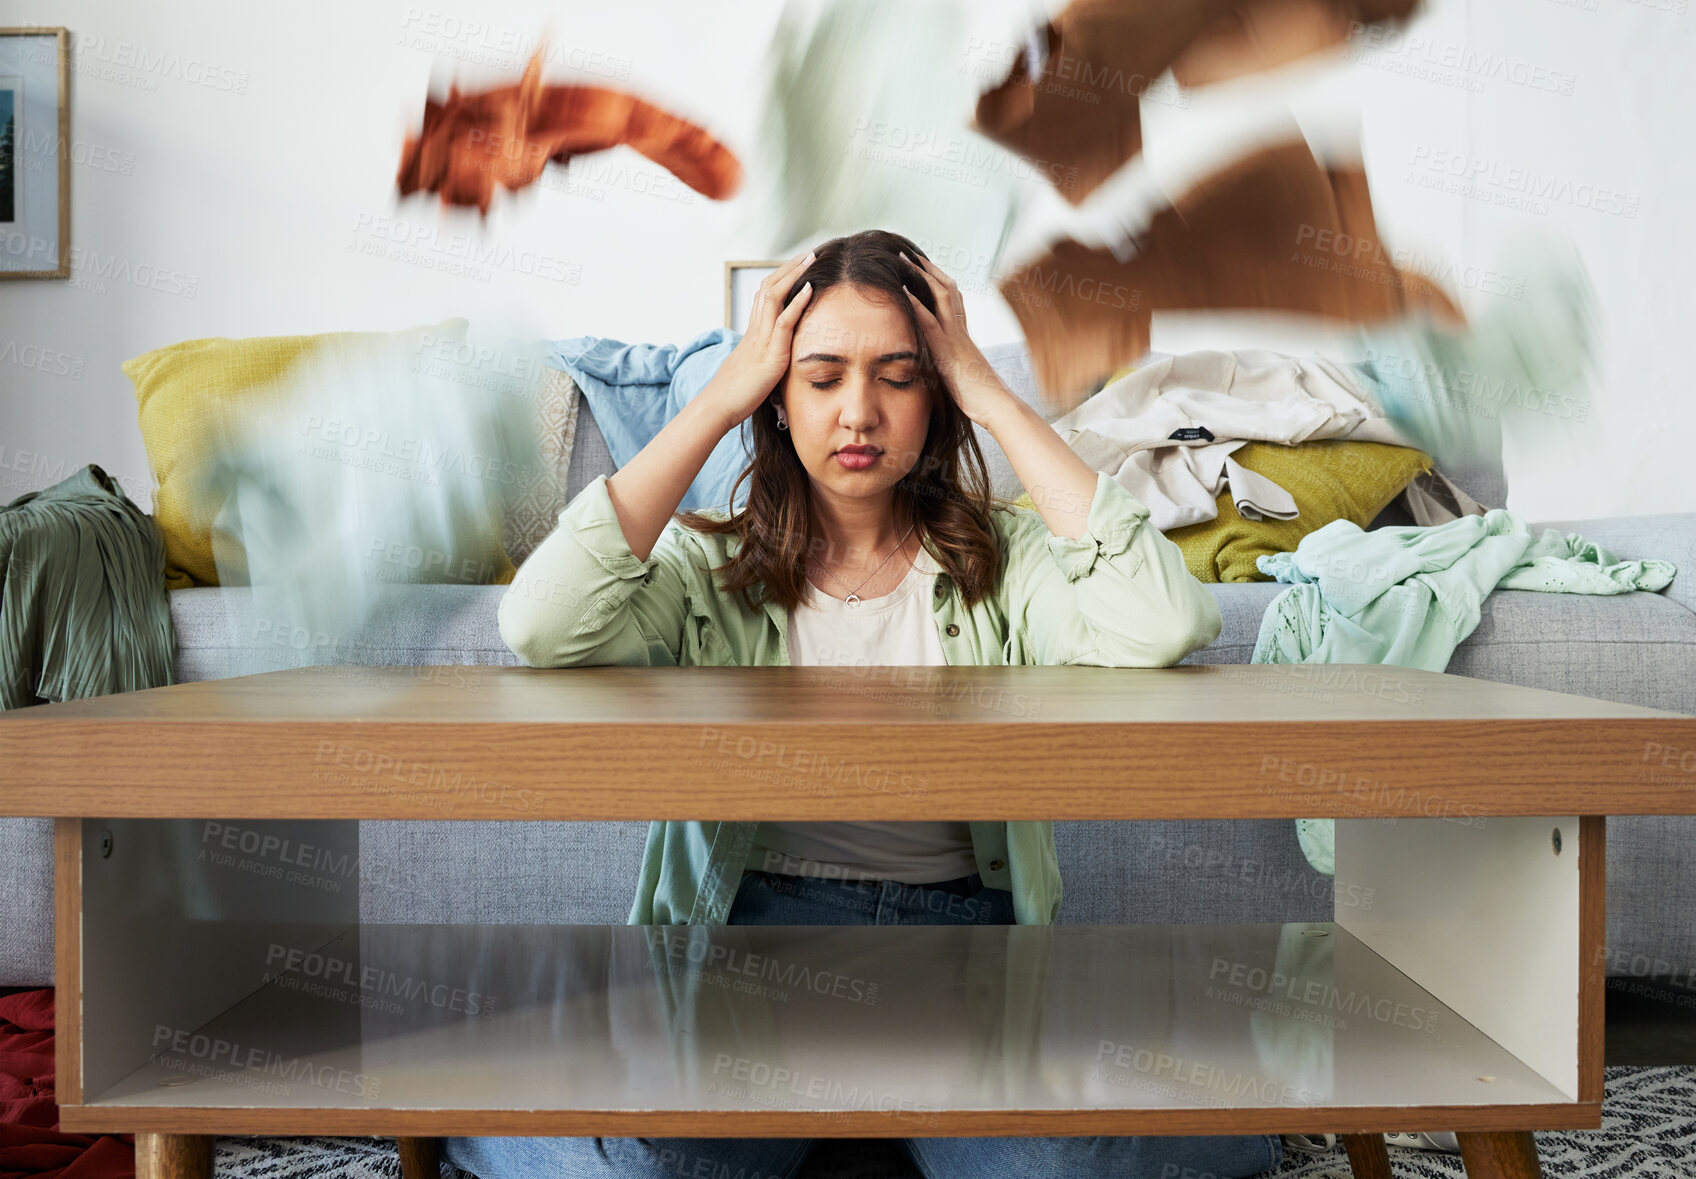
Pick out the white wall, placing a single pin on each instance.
(240, 159)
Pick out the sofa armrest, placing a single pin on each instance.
(1667, 537)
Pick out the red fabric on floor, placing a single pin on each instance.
(31, 1144)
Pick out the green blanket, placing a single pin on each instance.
(83, 605)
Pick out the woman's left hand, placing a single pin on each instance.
(977, 388)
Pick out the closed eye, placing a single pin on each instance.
(837, 380)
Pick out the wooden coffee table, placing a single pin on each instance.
(214, 975)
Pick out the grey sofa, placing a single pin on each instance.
(1638, 648)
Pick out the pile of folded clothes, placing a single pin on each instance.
(1240, 453)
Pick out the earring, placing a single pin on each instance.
(782, 418)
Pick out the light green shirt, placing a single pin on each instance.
(1120, 596)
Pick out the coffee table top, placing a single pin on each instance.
(799, 743)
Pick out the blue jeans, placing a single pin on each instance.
(768, 898)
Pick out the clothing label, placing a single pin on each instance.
(1190, 434)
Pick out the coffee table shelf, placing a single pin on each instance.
(835, 1031)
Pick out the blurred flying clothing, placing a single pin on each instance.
(1075, 96)
(388, 460)
(1407, 597)
(958, 125)
(865, 108)
(1450, 388)
(469, 140)
(1273, 231)
(83, 605)
(1258, 230)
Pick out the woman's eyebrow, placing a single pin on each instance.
(884, 359)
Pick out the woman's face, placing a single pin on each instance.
(853, 382)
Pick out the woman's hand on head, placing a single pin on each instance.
(761, 357)
(976, 387)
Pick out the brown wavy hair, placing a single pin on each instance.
(947, 493)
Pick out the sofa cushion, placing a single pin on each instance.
(498, 873)
(26, 898)
(590, 456)
(1635, 648)
(1012, 363)
(224, 631)
(533, 506)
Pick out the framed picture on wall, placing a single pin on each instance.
(35, 160)
(741, 282)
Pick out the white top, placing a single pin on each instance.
(896, 630)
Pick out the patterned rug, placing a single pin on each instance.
(1648, 1132)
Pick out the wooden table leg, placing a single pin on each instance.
(1369, 1156)
(420, 1158)
(1510, 1155)
(173, 1156)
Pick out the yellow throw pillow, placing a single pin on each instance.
(191, 394)
(1331, 480)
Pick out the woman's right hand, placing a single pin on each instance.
(761, 357)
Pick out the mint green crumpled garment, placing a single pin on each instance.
(1409, 596)
(866, 112)
(387, 461)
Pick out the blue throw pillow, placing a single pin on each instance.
(635, 389)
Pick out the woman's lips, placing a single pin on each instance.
(857, 460)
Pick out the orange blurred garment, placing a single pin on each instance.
(510, 134)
